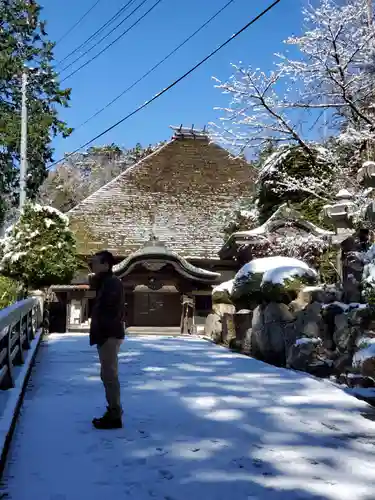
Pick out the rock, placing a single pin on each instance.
(276, 333)
(302, 353)
(221, 308)
(213, 327)
(228, 330)
(364, 361)
(254, 335)
(329, 314)
(343, 363)
(242, 322)
(309, 322)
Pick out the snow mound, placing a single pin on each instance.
(253, 276)
(279, 275)
(227, 286)
(268, 264)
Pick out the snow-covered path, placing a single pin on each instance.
(200, 423)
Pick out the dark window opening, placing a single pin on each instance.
(203, 305)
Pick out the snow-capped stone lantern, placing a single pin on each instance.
(366, 174)
(338, 213)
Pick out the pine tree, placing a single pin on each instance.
(24, 45)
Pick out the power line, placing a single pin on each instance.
(173, 84)
(105, 36)
(156, 65)
(114, 41)
(78, 22)
(98, 31)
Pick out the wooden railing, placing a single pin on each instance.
(18, 326)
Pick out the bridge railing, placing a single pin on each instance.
(18, 326)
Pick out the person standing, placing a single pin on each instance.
(107, 332)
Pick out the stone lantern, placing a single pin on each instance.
(338, 213)
(366, 174)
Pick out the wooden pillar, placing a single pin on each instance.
(187, 316)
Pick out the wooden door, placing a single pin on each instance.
(157, 309)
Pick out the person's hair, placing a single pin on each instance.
(106, 257)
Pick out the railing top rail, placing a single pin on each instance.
(12, 313)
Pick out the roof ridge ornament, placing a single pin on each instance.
(189, 132)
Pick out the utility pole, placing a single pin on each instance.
(23, 148)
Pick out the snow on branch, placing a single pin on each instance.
(333, 51)
(255, 114)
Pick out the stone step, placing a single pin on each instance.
(153, 330)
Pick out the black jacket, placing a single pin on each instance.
(108, 313)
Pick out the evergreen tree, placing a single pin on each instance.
(292, 175)
(39, 250)
(24, 45)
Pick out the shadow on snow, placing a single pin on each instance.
(200, 422)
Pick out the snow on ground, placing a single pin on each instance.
(200, 422)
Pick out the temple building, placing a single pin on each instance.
(164, 220)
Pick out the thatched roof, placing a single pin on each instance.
(181, 194)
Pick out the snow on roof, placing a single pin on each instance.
(269, 263)
(284, 213)
(280, 274)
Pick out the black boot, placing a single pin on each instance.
(110, 420)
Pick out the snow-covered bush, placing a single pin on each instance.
(39, 250)
(221, 294)
(259, 278)
(286, 281)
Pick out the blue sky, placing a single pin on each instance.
(193, 100)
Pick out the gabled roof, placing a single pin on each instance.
(155, 255)
(182, 193)
(283, 216)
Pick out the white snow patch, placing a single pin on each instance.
(364, 354)
(227, 286)
(344, 193)
(280, 274)
(308, 340)
(268, 264)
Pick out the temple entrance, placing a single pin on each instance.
(156, 309)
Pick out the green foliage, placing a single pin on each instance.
(8, 291)
(24, 42)
(40, 250)
(327, 267)
(312, 209)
